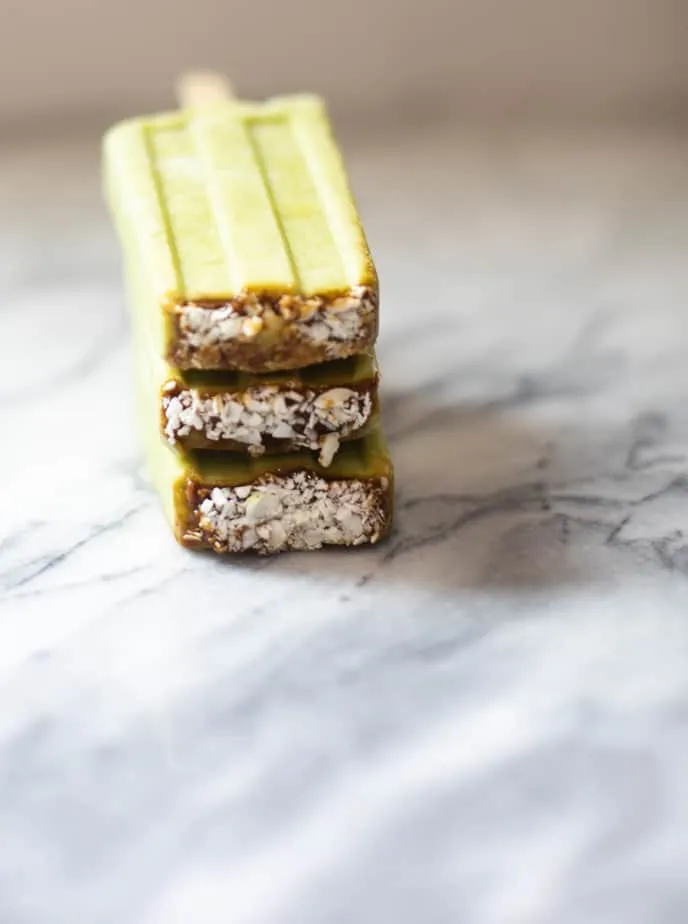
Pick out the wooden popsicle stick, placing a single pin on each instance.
(196, 89)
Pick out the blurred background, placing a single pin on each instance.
(75, 58)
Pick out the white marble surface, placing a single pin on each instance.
(484, 721)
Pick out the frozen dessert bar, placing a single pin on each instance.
(239, 220)
(315, 408)
(232, 502)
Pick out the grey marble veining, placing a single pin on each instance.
(483, 721)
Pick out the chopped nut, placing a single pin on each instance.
(297, 511)
(328, 450)
(303, 418)
(251, 327)
(342, 320)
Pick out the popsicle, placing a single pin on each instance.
(239, 219)
(231, 502)
(314, 408)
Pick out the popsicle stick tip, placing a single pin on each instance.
(196, 89)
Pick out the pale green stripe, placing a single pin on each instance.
(169, 242)
(321, 155)
(189, 214)
(306, 228)
(256, 252)
(136, 205)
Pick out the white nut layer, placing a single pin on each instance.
(311, 420)
(299, 511)
(317, 321)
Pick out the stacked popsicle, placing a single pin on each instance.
(254, 305)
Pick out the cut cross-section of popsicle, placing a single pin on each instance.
(315, 408)
(241, 221)
(231, 502)
(280, 503)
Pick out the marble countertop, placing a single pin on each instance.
(483, 721)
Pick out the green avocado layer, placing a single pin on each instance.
(357, 370)
(237, 197)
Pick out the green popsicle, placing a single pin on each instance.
(243, 223)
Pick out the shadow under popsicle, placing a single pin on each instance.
(490, 498)
(457, 523)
